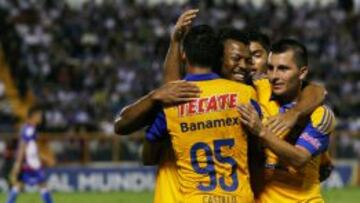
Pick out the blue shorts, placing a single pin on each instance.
(32, 177)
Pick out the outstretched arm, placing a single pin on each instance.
(311, 97)
(139, 114)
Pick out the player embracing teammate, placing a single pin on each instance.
(199, 165)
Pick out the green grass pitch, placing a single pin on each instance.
(347, 195)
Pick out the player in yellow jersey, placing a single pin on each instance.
(282, 123)
(293, 161)
(137, 115)
(235, 63)
(210, 146)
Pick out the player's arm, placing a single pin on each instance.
(173, 59)
(311, 142)
(151, 153)
(155, 137)
(18, 161)
(311, 97)
(139, 114)
(250, 119)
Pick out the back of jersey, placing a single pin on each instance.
(210, 145)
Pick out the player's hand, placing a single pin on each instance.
(250, 118)
(183, 24)
(176, 92)
(282, 124)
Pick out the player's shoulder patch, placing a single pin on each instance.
(323, 119)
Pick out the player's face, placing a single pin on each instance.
(284, 74)
(236, 61)
(259, 57)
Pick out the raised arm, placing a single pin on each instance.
(311, 97)
(172, 62)
(137, 115)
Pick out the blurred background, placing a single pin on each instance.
(84, 60)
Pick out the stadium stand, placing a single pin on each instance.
(84, 64)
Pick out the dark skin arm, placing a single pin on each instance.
(139, 114)
(173, 59)
(311, 97)
(151, 153)
(296, 156)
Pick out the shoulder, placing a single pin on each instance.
(240, 86)
(323, 119)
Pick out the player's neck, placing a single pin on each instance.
(198, 70)
(293, 96)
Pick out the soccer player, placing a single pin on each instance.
(235, 62)
(138, 114)
(209, 144)
(293, 161)
(259, 49)
(281, 123)
(28, 168)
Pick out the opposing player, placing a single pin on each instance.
(293, 161)
(28, 167)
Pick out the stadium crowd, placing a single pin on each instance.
(85, 63)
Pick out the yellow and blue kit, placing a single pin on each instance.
(209, 143)
(284, 183)
(167, 183)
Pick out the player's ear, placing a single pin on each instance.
(303, 72)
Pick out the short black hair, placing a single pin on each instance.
(201, 47)
(33, 110)
(261, 38)
(234, 34)
(300, 51)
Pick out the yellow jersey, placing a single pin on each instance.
(284, 183)
(167, 183)
(209, 143)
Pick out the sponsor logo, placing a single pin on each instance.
(208, 124)
(313, 141)
(209, 104)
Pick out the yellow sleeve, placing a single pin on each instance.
(263, 90)
(323, 119)
(253, 94)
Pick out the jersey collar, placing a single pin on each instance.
(201, 77)
(287, 106)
